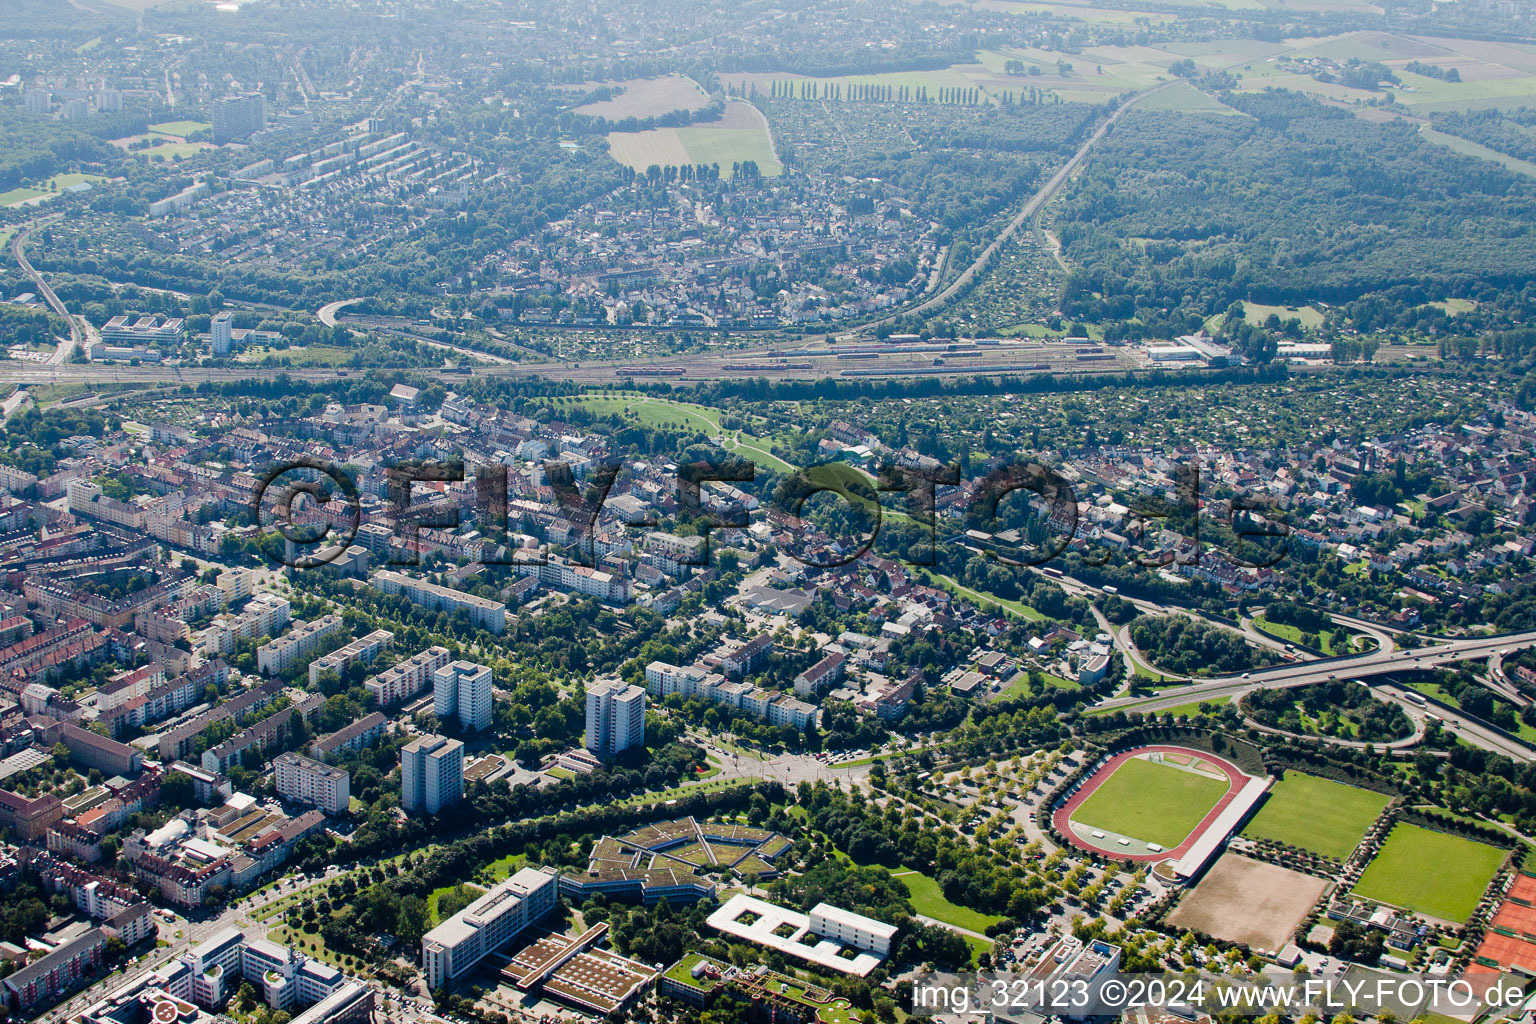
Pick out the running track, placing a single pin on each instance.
(1062, 816)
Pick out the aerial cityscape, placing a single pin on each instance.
(528, 512)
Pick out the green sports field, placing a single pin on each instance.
(1153, 802)
(1316, 814)
(1430, 873)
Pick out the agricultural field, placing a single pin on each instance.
(649, 97)
(1431, 873)
(1153, 802)
(1326, 817)
(1184, 98)
(741, 135)
(1249, 901)
(1467, 147)
(1493, 74)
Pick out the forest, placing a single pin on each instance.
(1175, 218)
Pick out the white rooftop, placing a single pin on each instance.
(771, 917)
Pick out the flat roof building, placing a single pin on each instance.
(432, 774)
(462, 690)
(785, 930)
(312, 782)
(454, 947)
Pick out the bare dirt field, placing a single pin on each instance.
(649, 97)
(1245, 900)
(639, 150)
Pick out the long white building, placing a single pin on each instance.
(363, 649)
(405, 679)
(298, 644)
(486, 614)
(663, 679)
(486, 925)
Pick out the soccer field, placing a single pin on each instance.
(1152, 802)
(1316, 814)
(1431, 873)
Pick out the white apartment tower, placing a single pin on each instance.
(222, 331)
(615, 717)
(431, 774)
(462, 690)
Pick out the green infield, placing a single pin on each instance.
(1432, 873)
(1153, 802)
(1316, 814)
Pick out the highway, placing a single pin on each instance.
(1376, 665)
(1364, 666)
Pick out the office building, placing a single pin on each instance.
(143, 331)
(852, 943)
(431, 774)
(462, 690)
(238, 117)
(315, 783)
(852, 929)
(615, 717)
(486, 925)
(222, 332)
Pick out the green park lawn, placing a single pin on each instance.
(180, 129)
(1153, 802)
(1432, 873)
(929, 900)
(1316, 814)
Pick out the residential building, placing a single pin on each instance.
(407, 678)
(615, 718)
(484, 613)
(46, 980)
(432, 774)
(362, 650)
(221, 333)
(272, 731)
(748, 656)
(359, 734)
(297, 645)
(238, 117)
(462, 690)
(305, 781)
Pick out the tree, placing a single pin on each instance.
(177, 790)
(411, 923)
(1359, 943)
